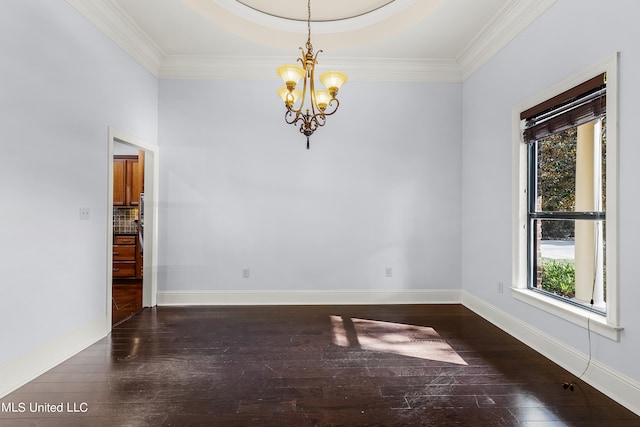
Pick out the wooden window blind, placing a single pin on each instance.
(578, 105)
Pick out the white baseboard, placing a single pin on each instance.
(20, 371)
(168, 298)
(614, 384)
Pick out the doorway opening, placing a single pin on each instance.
(132, 226)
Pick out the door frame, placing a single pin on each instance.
(150, 247)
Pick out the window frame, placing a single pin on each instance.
(607, 325)
(534, 215)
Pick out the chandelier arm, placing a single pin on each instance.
(292, 119)
(328, 112)
(312, 79)
(318, 120)
(312, 96)
(303, 98)
(297, 111)
(287, 115)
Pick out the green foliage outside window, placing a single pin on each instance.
(557, 179)
(559, 277)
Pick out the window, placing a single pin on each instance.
(564, 215)
(566, 164)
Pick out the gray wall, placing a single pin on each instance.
(380, 187)
(572, 35)
(63, 84)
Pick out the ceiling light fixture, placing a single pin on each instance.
(309, 107)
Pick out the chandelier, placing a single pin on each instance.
(309, 107)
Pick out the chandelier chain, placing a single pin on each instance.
(308, 23)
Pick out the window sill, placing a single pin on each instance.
(579, 316)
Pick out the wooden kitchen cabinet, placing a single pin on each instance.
(125, 250)
(119, 168)
(128, 180)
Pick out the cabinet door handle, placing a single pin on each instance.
(116, 253)
(116, 269)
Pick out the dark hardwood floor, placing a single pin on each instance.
(409, 365)
(126, 299)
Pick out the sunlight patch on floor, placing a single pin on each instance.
(395, 338)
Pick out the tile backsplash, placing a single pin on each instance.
(125, 220)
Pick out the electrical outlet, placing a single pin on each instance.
(245, 273)
(500, 287)
(84, 214)
(388, 272)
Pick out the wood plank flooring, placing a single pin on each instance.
(126, 299)
(408, 365)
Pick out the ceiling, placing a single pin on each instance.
(397, 40)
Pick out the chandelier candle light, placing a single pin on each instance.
(309, 107)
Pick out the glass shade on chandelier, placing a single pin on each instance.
(309, 107)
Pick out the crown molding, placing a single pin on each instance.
(109, 17)
(114, 22)
(218, 67)
(263, 68)
(398, 70)
(510, 21)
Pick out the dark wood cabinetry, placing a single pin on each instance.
(125, 254)
(119, 168)
(128, 180)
